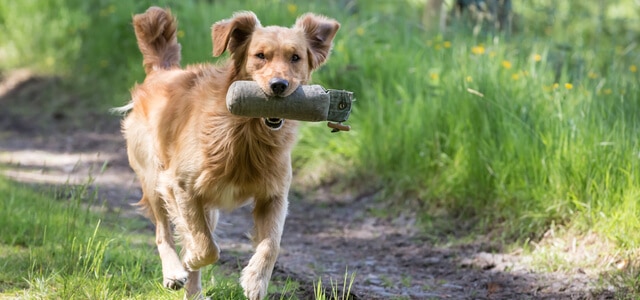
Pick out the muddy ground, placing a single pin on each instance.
(324, 236)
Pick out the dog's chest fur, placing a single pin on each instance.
(250, 161)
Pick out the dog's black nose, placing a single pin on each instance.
(278, 85)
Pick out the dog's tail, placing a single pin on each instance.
(156, 31)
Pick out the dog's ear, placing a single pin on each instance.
(320, 32)
(232, 33)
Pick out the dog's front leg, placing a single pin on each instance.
(193, 288)
(194, 223)
(269, 215)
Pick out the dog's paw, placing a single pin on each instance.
(253, 284)
(175, 281)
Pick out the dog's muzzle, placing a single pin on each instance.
(274, 123)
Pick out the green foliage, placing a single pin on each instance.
(41, 34)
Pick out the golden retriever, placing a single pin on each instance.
(193, 157)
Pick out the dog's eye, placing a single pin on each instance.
(295, 58)
(260, 55)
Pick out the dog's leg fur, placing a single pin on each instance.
(152, 203)
(194, 285)
(173, 273)
(192, 223)
(193, 289)
(269, 222)
(269, 217)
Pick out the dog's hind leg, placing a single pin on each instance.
(268, 215)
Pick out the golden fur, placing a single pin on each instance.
(193, 157)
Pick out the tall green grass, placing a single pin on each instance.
(55, 245)
(516, 132)
(60, 249)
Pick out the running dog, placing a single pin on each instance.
(194, 158)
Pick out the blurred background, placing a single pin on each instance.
(511, 117)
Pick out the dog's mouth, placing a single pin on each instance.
(274, 123)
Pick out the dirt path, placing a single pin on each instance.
(324, 235)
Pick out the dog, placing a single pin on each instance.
(194, 158)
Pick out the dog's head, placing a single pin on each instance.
(279, 59)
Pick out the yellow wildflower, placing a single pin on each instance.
(477, 50)
(555, 85)
(607, 91)
(506, 64)
(633, 68)
(537, 57)
(568, 86)
(469, 79)
(592, 75)
(360, 31)
(180, 33)
(434, 76)
(292, 8)
(437, 47)
(515, 76)
(446, 44)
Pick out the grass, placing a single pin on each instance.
(62, 249)
(342, 292)
(517, 133)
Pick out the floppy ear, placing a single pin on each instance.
(231, 33)
(320, 32)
